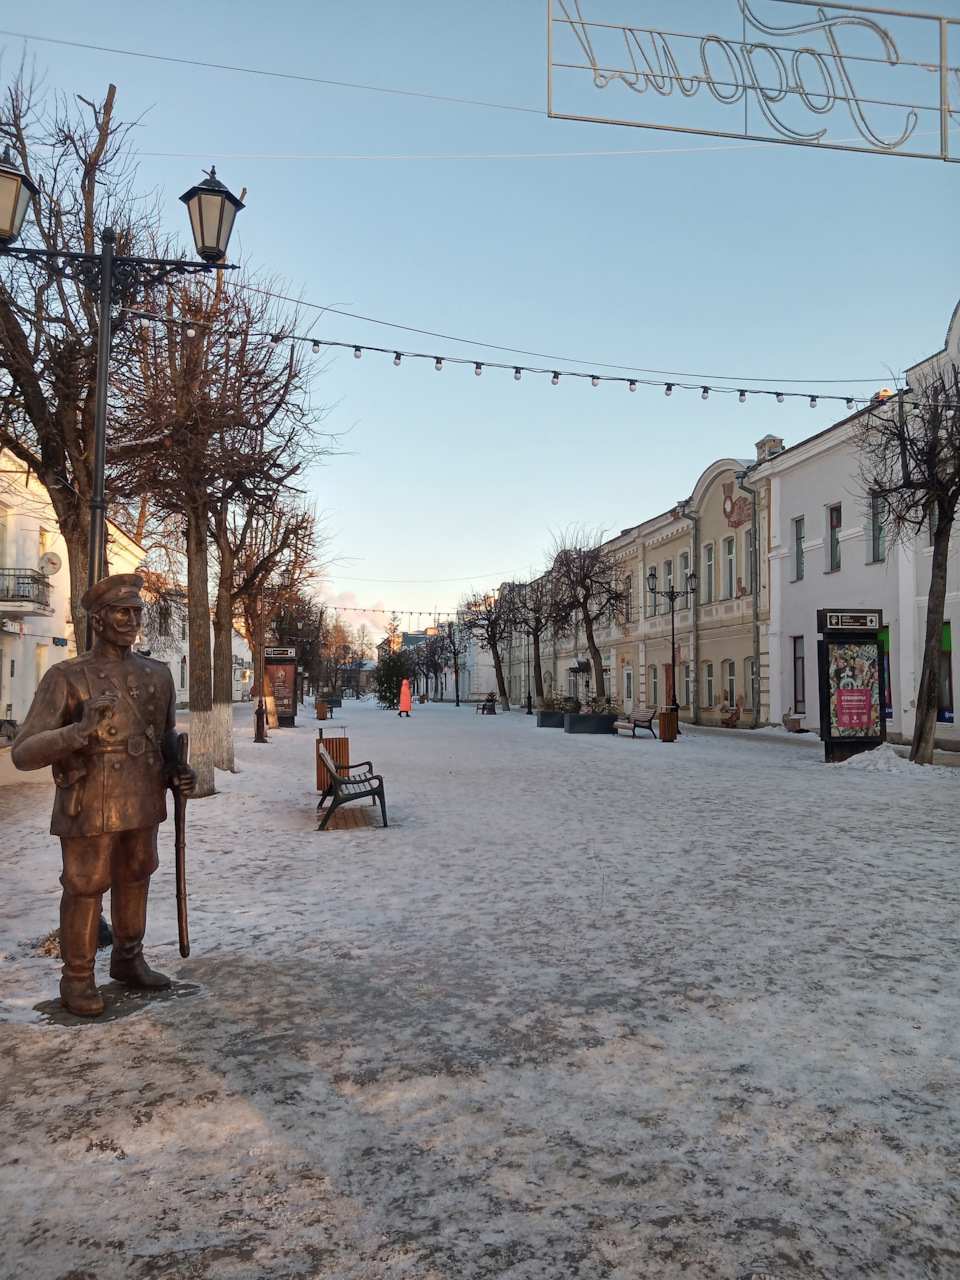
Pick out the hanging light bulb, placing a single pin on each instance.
(396, 357)
(849, 404)
(743, 397)
(145, 322)
(668, 389)
(813, 402)
(594, 381)
(779, 397)
(315, 348)
(231, 339)
(478, 369)
(705, 393)
(516, 375)
(555, 379)
(633, 385)
(357, 353)
(274, 340)
(439, 365)
(191, 331)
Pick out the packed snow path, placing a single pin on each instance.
(589, 1008)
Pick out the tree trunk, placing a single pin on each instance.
(600, 688)
(537, 671)
(223, 757)
(456, 679)
(501, 683)
(198, 620)
(928, 696)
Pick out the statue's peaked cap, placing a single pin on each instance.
(119, 588)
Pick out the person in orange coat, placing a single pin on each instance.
(406, 702)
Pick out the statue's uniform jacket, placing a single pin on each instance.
(116, 781)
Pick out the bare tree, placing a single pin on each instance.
(458, 642)
(233, 413)
(79, 157)
(487, 619)
(588, 581)
(539, 608)
(910, 466)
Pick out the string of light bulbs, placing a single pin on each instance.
(317, 345)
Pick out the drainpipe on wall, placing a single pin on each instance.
(755, 572)
(694, 609)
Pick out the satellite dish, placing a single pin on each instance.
(50, 564)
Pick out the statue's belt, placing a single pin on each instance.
(129, 747)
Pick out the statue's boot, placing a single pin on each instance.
(79, 929)
(128, 913)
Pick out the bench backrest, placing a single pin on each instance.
(643, 713)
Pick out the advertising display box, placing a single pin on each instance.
(281, 671)
(851, 670)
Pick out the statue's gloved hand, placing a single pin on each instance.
(95, 710)
(183, 779)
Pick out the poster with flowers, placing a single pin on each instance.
(853, 672)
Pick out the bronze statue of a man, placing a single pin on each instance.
(105, 722)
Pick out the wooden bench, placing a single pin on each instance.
(488, 707)
(642, 718)
(357, 783)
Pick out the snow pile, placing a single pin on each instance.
(884, 759)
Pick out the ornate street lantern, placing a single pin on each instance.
(691, 581)
(16, 192)
(652, 580)
(212, 211)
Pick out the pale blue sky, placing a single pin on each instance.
(758, 263)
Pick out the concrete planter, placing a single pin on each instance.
(587, 722)
(549, 719)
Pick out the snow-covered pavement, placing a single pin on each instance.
(589, 1008)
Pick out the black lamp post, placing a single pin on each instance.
(673, 595)
(212, 211)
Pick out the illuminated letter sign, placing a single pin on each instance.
(844, 77)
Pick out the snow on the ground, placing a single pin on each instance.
(884, 759)
(591, 1007)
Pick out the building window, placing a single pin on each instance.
(945, 701)
(653, 688)
(652, 599)
(684, 571)
(628, 598)
(183, 631)
(707, 698)
(750, 685)
(878, 536)
(628, 685)
(43, 541)
(749, 562)
(799, 678)
(706, 587)
(686, 684)
(729, 567)
(798, 528)
(835, 518)
(668, 575)
(731, 683)
(183, 673)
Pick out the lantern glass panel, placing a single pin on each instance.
(226, 225)
(211, 204)
(194, 207)
(9, 202)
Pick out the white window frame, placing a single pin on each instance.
(708, 585)
(729, 567)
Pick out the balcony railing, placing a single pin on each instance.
(24, 587)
